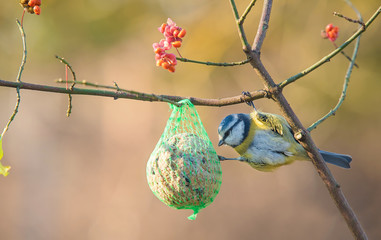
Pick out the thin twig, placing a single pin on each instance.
(22, 17)
(15, 111)
(227, 64)
(23, 60)
(241, 31)
(177, 49)
(263, 26)
(349, 19)
(70, 98)
(70, 105)
(328, 57)
(345, 55)
(246, 12)
(18, 78)
(70, 68)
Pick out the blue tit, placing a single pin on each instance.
(265, 141)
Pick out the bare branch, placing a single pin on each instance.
(263, 26)
(137, 95)
(226, 64)
(246, 12)
(241, 31)
(18, 79)
(349, 19)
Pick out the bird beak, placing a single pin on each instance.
(221, 142)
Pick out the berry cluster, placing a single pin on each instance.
(173, 37)
(32, 6)
(331, 32)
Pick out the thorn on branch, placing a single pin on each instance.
(117, 87)
(117, 90)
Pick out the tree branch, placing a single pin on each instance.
(246, 12)
(225, 64)
(241, 31)
(137, 95)
(301, 133)
(18, 79)
(263, 26)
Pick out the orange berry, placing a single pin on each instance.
(329, 27)
(175, 33)
(158, 50)
(176, 44)
(182, 33)
(165, 65)
(159, 62)
(38, 2)
(37, 10)
(171, 69)
(162, 27)
(32, 3)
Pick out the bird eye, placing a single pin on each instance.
(228, 133)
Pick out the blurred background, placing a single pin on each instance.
(84, 177)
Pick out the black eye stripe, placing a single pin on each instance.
(227, 133)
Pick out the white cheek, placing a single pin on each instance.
(236, 136)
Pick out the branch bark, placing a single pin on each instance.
(120, 93)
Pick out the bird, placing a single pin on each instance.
(265, 141)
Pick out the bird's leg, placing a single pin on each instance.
(250, 103)
(242, 159)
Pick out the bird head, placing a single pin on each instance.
(234, 129)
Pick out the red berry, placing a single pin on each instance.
(175, 33)
(159, 62)
(162, 27)
(182, 33)
(176, 44)
(165, 65)
(328, 27)
(32, 3)
(37, 10)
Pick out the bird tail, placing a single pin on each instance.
(337, 159)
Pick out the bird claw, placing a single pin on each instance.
(247, 94)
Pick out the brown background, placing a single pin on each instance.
(83, 177)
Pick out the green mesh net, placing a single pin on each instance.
(184, 171)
